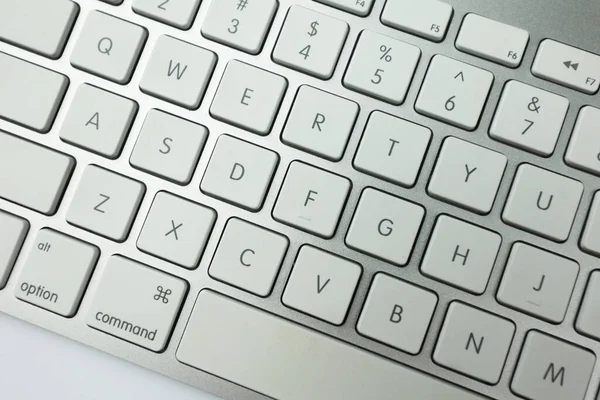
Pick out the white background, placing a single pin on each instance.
(38, 364)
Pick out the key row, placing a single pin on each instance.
(472, 342)
(244, 26)
(310, 199)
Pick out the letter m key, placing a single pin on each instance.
(555, 374)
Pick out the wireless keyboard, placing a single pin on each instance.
(296, 199)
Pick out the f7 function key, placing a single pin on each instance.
(567, 66)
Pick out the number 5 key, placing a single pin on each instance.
(382, 67)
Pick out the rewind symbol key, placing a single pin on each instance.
(571, 64)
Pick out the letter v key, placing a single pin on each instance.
(319, 287)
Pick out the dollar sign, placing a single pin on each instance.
(313, 30)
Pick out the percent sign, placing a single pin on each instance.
(386, 53)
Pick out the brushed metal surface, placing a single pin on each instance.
(575, 22)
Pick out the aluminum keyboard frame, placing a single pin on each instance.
(575, 22)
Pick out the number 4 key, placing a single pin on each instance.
(358, 7)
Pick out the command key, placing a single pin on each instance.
(136, 303)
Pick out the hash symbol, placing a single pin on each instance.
(242, 4)
(162, 294)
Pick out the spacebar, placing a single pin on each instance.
(288, 362)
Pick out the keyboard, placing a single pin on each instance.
(298, 199)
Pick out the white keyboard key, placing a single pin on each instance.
(567, 66)
(136, 303)
(551, 369)
(492, 40)
(590, 240)
(240, 24)
(538, 282)
(543, 202)
(98, 121)
(310, 42)
(56, 272)
(474, 342)
(358, 7)
(105, 203)
(397, 313)
(178, 72)
(32, 175)
(108, 47)
(311, 199)
(177, 13)
(176, 230)
(392, 148)
(40, 26)
(322, 284)
(12, 235)
(584, 147)
(382, 67)
(454, 92)
(239, 172)
(22, 81)
(169, 146)
(461, 254)
(320, 123)
(426, 18)
(467, 175)
(249, 257)
(248, 97)
(588, 321)
(529, 118)
(323, 368)
(385, 226)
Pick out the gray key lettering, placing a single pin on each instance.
(105, 198)
(555, 375)
(105, 45)
(162, 5)
(246, 264)
(548, 203)
(237, 172)
(44, 246)
(396, 314)
(475, 344)
(246, 96)
(394, 143)
(174, 230)
(167, 149)
(319, 119)
(177, 68)
(308, 198)
(234, 27)
(457, 254)
(540, 285)
(469, 172)
(385, 230)
(319, 287)
(95, 120)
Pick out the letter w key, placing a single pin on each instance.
(176, 68)
(178, 72)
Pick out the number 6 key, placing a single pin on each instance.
(454, 92)
(382, 67)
